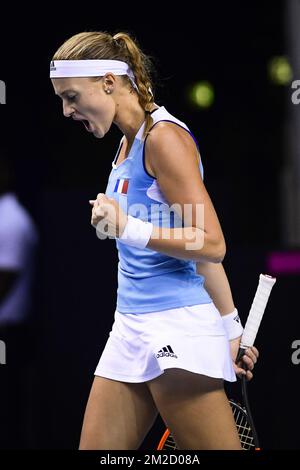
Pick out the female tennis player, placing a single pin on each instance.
(176, 331)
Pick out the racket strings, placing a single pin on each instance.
(243, 428)
(242, 425)
(170, 443)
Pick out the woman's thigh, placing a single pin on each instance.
(118, 415)
(195, 409)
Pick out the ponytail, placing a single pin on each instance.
(141, 67)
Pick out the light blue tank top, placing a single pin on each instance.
(149, 281)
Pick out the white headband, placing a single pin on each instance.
(90, 68)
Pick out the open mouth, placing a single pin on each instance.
(87, 125)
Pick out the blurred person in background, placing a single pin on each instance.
(18, 247)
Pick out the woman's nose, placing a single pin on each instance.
(67, 110)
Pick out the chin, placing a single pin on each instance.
(99, 134)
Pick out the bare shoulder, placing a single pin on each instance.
(168, 144)
(164, 134)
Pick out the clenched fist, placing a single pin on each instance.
(107, 217)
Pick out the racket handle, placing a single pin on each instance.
(240, 355)
(257, 310)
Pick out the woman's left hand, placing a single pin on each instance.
(107, 216)
(249, 359)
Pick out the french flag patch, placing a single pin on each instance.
(121, 186)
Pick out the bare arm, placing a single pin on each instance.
(173, 158)
(217, 285)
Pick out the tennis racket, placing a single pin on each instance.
(242, 414)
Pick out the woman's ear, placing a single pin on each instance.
(108, 83)
(109, 79)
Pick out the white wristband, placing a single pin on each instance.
(136, 233)
(232, 325)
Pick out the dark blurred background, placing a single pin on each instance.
(247, 56)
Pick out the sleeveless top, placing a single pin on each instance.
(150, 281)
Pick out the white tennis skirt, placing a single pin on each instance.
(141, 347)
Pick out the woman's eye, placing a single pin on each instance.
(71, 98)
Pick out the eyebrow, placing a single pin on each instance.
(65, 92)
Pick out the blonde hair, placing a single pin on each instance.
(121, 46)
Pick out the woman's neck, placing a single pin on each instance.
(130, 116)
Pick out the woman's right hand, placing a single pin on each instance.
(249, 359)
